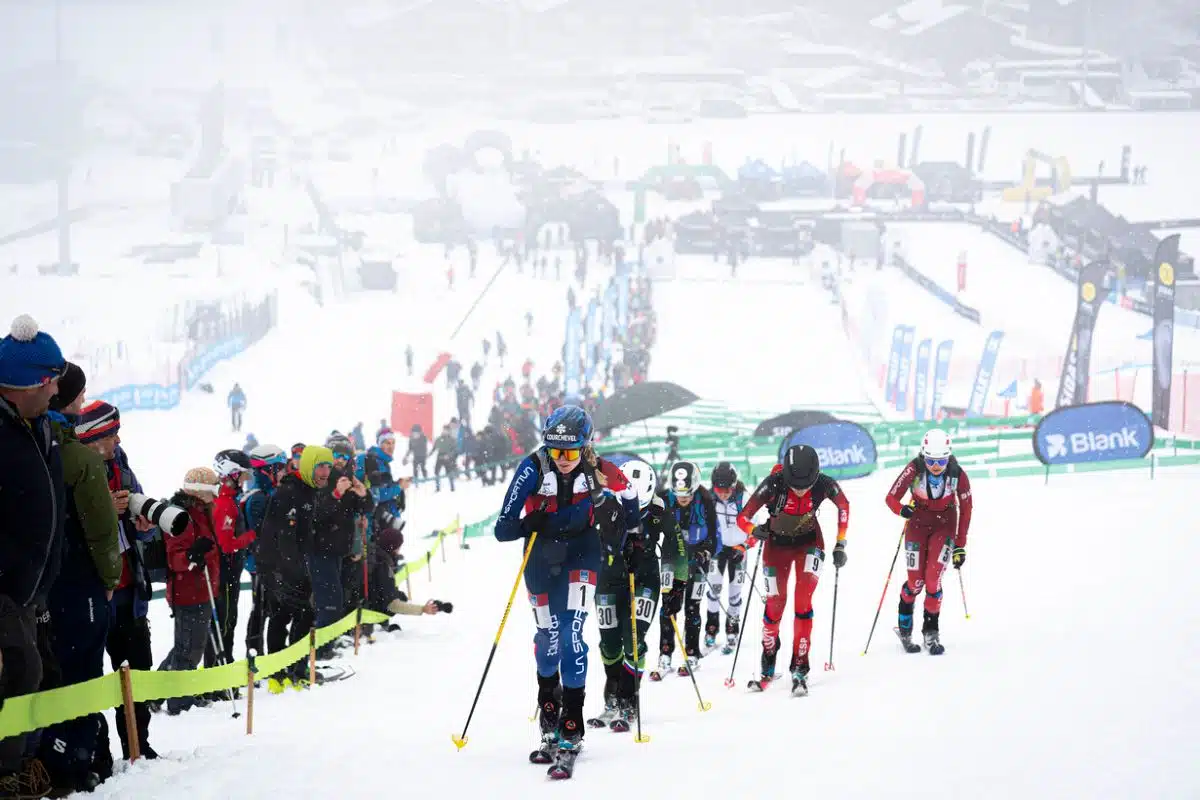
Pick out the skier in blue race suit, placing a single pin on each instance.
(556, 487)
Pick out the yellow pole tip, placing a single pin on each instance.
(641, 739)
(459, 741)
(705, 706)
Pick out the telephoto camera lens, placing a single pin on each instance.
(169, 519)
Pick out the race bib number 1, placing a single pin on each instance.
(541, 610)
(581, 590)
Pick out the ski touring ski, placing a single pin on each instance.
(619, 725)
(933, 643)
(799, 685)
(759, 684)
(546, 750)
(605, 718)
(906, 641)
(564, 764)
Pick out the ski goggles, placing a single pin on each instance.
(937, 462)
(571, 454)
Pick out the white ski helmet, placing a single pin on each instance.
(936, 444)
(641, 476)
(231, 462)
(684, 479)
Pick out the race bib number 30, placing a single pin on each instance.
(645, 608)
(581, 590)
(606, 612)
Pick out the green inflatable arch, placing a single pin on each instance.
(667, 171)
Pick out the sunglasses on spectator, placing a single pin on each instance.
(937, 462)
(566, 455)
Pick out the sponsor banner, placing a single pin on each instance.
(143, 397)
(1163, 299)
(904, 370)
(1108, 431)
(893, 368)
(1092, 288)
(941, 376)
(921, 380)
(983, 376)
(197, 366)
(846, 449)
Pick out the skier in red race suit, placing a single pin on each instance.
(792, 493)
(935, 532)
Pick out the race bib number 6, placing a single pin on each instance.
(912, 556)
(581, 590)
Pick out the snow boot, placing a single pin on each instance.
(570, 725)
(799, 669)
(549, 711)
(712, 624)
(929, 629)
(904, 628)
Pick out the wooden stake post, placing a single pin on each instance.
(251, 671)
(131, 730)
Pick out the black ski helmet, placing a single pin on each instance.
(724, 476)
(801, 466)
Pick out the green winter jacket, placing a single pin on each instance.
(660, 522)
(87, 481)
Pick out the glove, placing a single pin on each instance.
(839, 555)
(199, 549)
(906, 512)
(959, 557)
(674, 602)
(702, 558)
(534, 521)
(632, 554)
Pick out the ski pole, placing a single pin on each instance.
(837, 572)
(885, 588)
(703, 706)
(218, 641)
(737, 651)
(460, 741)
(962, 590)
(640, 738)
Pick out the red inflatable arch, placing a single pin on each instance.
(891, 177)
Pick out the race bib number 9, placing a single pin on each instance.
(581, 590)
(812, 562)
(770, 582)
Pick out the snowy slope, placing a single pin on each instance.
(1035, 692)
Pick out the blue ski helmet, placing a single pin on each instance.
(568, 427)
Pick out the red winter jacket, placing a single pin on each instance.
(226, 516)
(185, 587)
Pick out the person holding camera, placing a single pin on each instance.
(89, 572)
(193, 572)
(129, 629)
(385, 596)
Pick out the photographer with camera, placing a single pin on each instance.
(129, 630)
(193, 572)
(385, 595)
(91, 568)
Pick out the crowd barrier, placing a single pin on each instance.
(123, 688)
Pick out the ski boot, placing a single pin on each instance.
(569, 739)
(711, 627)
(929, 629)
(549, 710)
(626, 716)
(613, 677)
(767, 667)
(688, 667)
(904, 628)
(664, 667)
(799, 669)
(732, 626)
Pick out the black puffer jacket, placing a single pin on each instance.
(287, 524)
(33, 504)
(333, 528)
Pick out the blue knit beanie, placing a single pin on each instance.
(28, 357)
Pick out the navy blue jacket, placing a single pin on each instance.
(33, 505)
(139, 590)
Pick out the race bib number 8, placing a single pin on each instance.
(581, 590)
(645, 608)
(606, 613)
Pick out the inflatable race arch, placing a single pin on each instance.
(888, 177)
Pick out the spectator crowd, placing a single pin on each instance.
(318, 528)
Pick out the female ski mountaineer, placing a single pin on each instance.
(556, 488)
(692, 507)
(933, 533)
(629, 549)
(792, 493)
(729, 495)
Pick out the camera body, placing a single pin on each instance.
(169, 519)
(393, 521)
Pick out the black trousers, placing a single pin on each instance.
(228, 589)
(289, 617)
(22, 672)
(129, 640)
